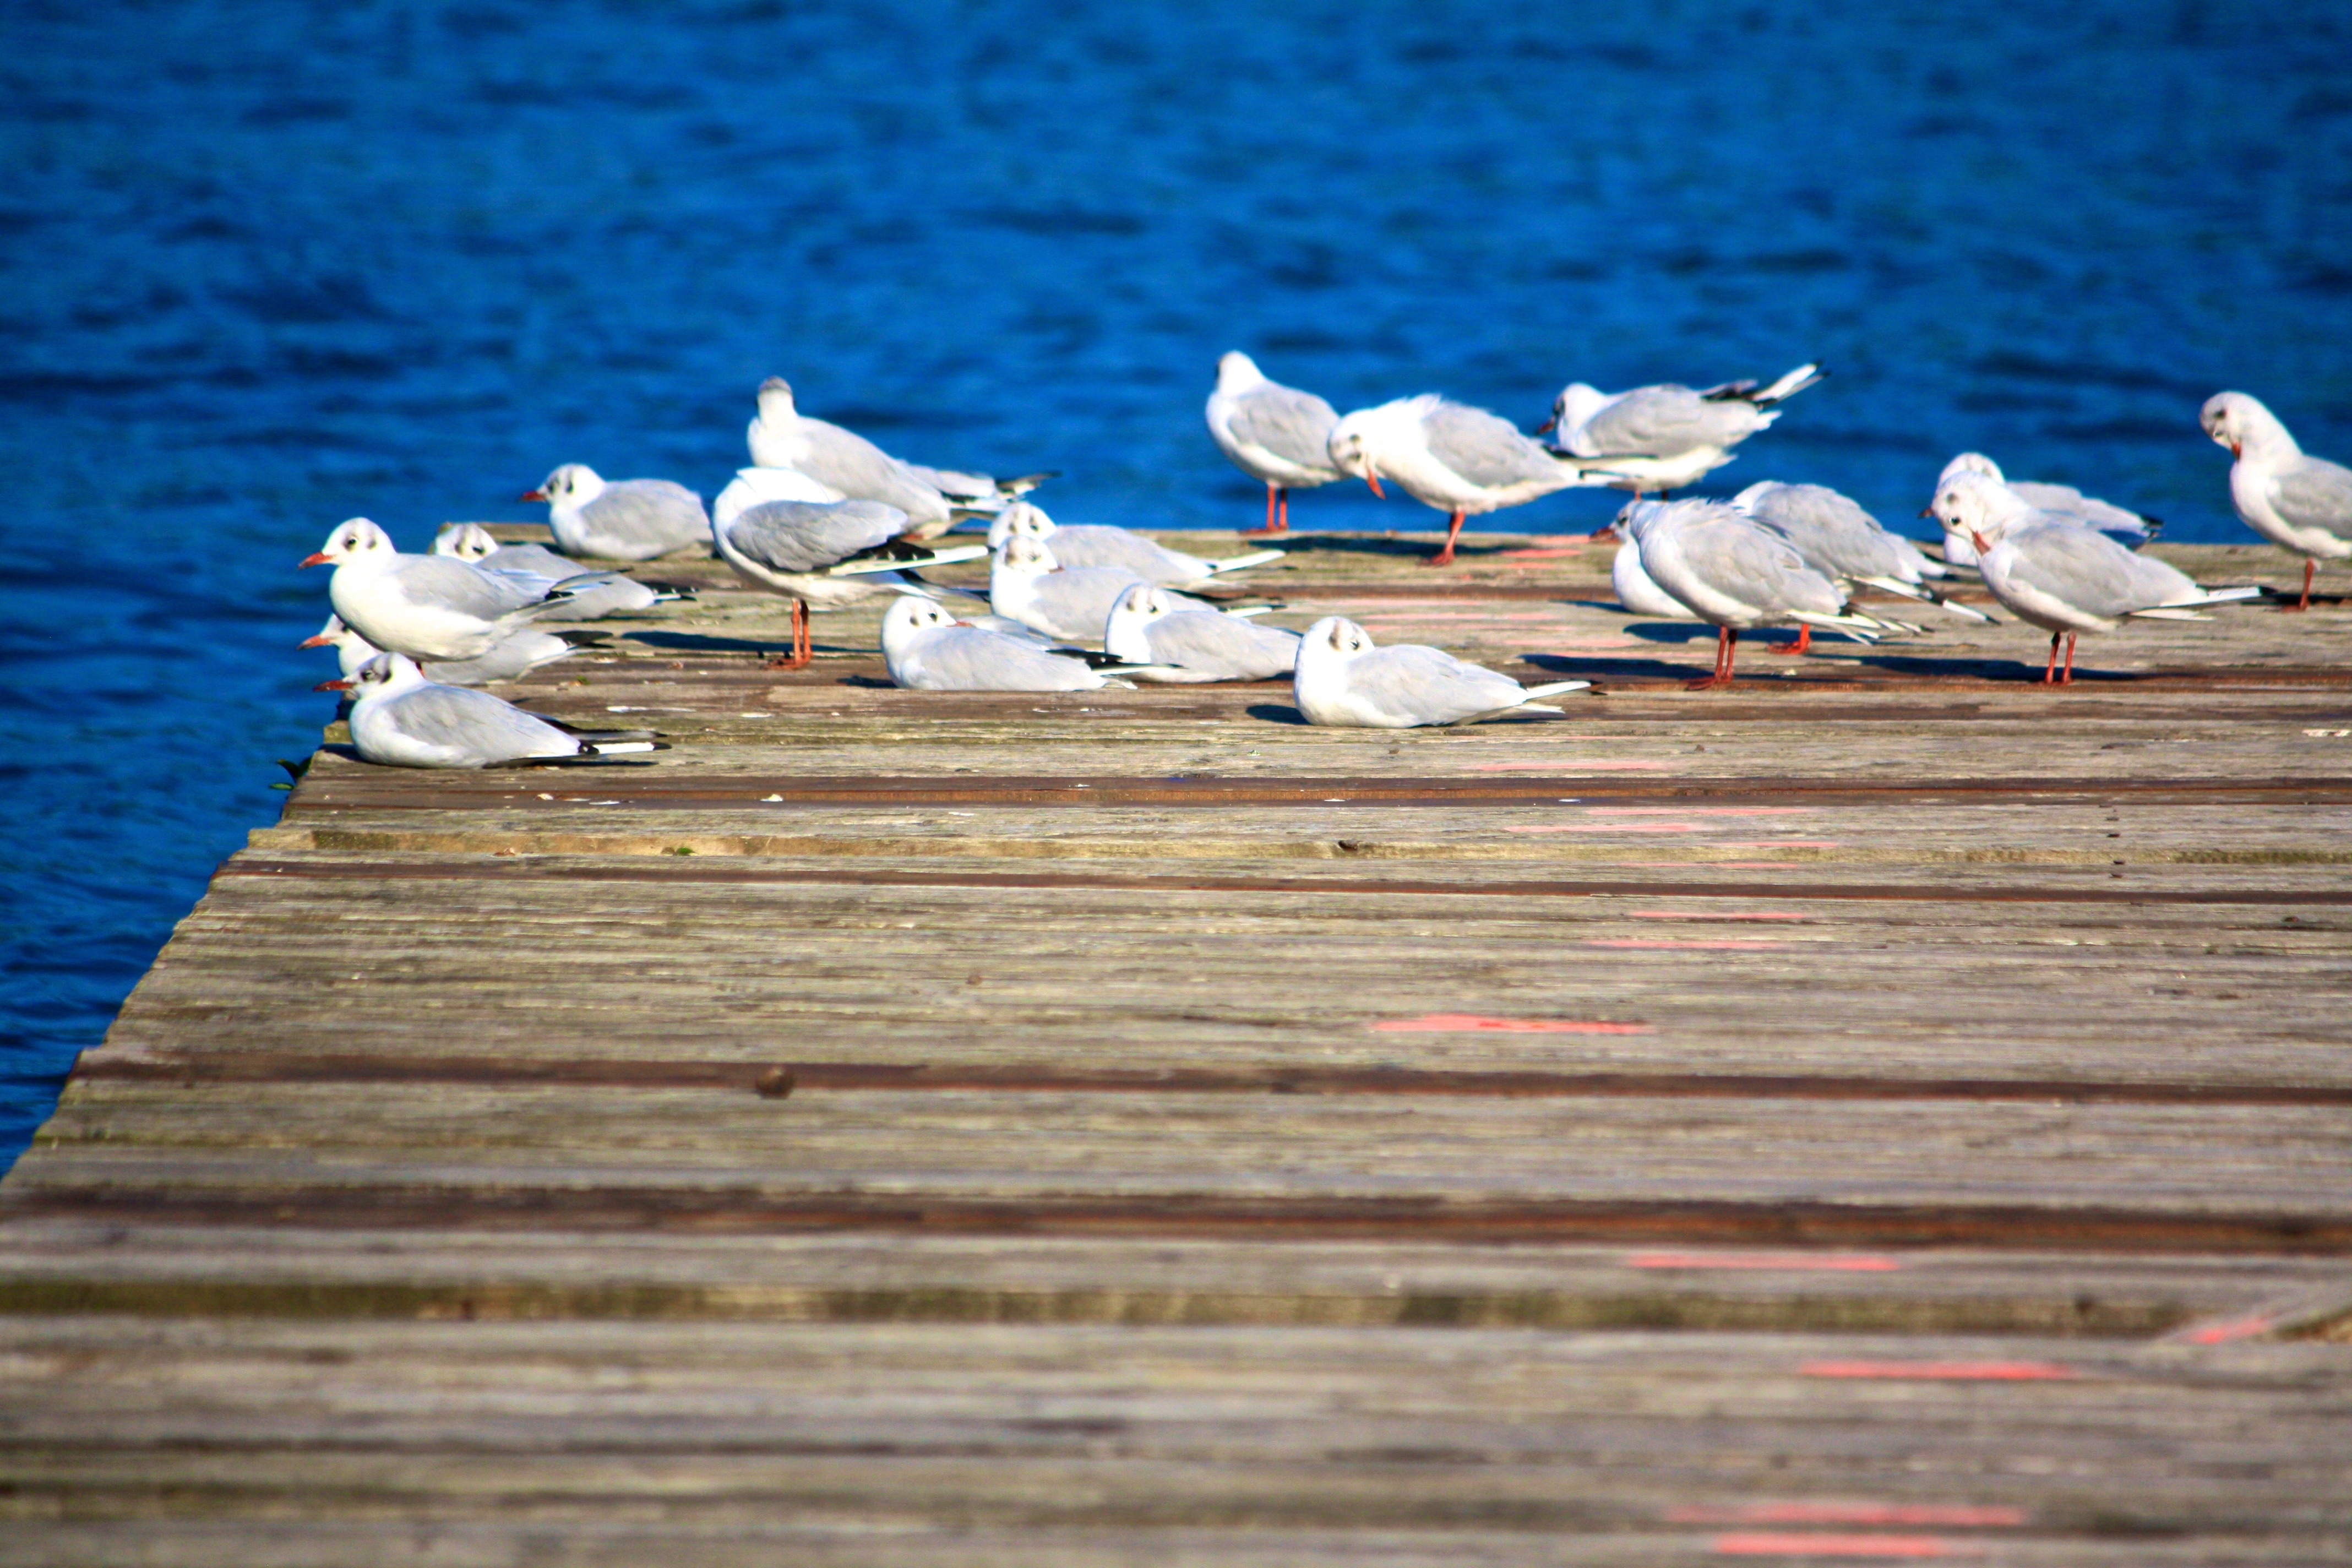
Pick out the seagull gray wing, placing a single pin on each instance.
(857, 468)
(1100, 544)
(1430, 685)
(2082, 567)
(535, 558)
(1755, 566)
(2313, 492)
(800, 536)
(459, 585)
(648, 513)
(1293, 424)
(2068, 501)
(1662, 422)
(1233, 649)
(1484, 448)
(966, 659)
(478, 726)
(953, 481)
(1830, 531)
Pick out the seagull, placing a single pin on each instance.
(749, 487)
(1276, 435)
(426, 606)
(1099, 545)
(1146, 628)
(1634, 588)
(1735, 575)
(1462, 460)
(2128, 529)
(400, 720)
(2057, 574)
(1843, 543)
(621, 520)
(927, 649)
(1659, 438)
(2303, 503)
(827, 555)
(522, 651)
(783, 438)
(587, 595)
(1072, 603)
(1343, 680)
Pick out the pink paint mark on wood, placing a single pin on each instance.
(1778, 844)
(1713, 915)
(1698, 810)
(1760, 1544)
(1462, 1023)
(1740, 944)
(1946, 1370)
(1963, 1516)
(1566, 765)
(2227, 1331)
(1833, 1262)
(1610, 827)
(1718, 865)
(1542, 554)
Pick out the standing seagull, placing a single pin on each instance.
(1664, 437)
(1343, 680)
(781, 437)
(1843, 543)
(2130, 529)
(1274, 433)
(2303, 503)
(1100, 544)
(426, 606)
(1735, 575)
(2062, 577)
(620, 520)
(1462, 460)
(827, 555)
(400, 720)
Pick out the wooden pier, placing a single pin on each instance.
(1890, 1109)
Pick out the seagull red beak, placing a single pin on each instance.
(321, 640)
(1979, 540)
(1927, 511)
(316, 558)
(1373, 477)
(333, 686)
(532, 495)
(2235, 448)
(1547, 426)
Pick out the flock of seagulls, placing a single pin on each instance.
(827, 518)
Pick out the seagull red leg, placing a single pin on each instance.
(1445, 557)
(1804, 643)
(1274, 496)
(1727, 649)
(2068, 679)
(2049, 670)
(801, 652)
(2309, 566)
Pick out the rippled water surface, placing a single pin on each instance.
(269, 266)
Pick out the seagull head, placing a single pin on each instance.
(574, 484)
(776, 398)
(1352, 444)
(1023, 517)
(1979, 508)
(1237, 373)
(356, 542)
(1136, 609)
(909, 616)
(334, 634)
(386, 674)
(1022, 556)
(1334, 639)
(2238, 421)
(464, 542)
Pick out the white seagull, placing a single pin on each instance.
(1146, 628)
(1462, 460)
(927, 649)
(1662, 437)
(400, 720)
(2302, 503)
(781, 437)
(1343, 680)
(1276, 435)
(1845, 544)
(1634, 588)
(1100, 544)
(2130, 529)
(520, 653)
(621, 520)
(2055, 573)
(1028, 584)
(1736, 575)
(588, 594)
(426, 606)
(827, 556)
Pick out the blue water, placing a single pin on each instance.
(269, 265)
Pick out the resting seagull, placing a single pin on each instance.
(927, 649)
(2055, 573)
(2303, 503)
(1659, 438)
(1462, 460)
(520, 653)
(1276, 435)
(1191, 646)
(400, 720)
(1344, 679)
(827, 555)
(587, 595)
(1100, 544)
(426, 606)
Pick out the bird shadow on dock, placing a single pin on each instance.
(699, 642)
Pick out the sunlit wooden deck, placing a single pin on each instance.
(1890, 1109)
